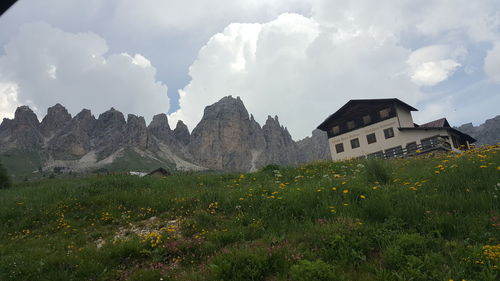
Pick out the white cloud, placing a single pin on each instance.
(492, 63)
(296, 68)
(51, 66)
(8, 100)
(433, 64)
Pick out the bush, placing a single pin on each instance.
(378, 170)
(146, 275)
(313, 271)
(248, 264)
(5, 181)
(270, 168)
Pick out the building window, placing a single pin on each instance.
(378, 154)
(350, 125)
(367, 119)
(394, 152)
(411, 147)
(339, 147)
(371, 138)
(384, 113)
(388, 133)
(355, 143)
(335, 130)
(429, 142)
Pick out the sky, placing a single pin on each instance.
(297, 59)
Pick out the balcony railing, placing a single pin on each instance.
(427, 145)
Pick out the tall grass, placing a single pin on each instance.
(406, 219)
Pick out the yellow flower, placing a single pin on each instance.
(375, 187)
(241, 199)
(413, 188)
(334, 188)
(362, 196)
(483, 166)
(345, 191)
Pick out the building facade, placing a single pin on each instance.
(384, 128)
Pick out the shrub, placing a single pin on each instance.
(248, 264)
(378, 170)
(313, 271)
(146, 275)
(5, 181)
(270, 168)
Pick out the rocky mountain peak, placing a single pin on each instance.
(110, 119)
(57, 118)
(23, 132)
(486, 133)
(181, 133)
(226, 108)
(24, 115)
(136, 132)
(159, 127)
(160, 121)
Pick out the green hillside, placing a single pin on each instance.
(429, 218)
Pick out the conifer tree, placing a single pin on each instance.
(4, 177)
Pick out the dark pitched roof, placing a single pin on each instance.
(437, 123)
(161, 170)
(323, 126)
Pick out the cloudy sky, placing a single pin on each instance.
(298, 59)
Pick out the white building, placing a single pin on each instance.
(384, 128)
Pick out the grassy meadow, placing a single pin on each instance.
(429, 218)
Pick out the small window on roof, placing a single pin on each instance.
(367, 119)
(335, 130)
(384, 113)
(351, 125)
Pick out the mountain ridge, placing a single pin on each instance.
(227, 138)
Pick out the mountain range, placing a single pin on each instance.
(226, 139)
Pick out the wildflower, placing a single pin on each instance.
(345, 191)
(375, 187)
(241, 199)
(483, 166)
(413, 188)
(334, 188)
(344, 182)
(362, 196)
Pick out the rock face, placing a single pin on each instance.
(181, 133)
(75, 140)
(280, 148)
(223, 138)
(23, 132)
(314, 148)
(136, 132)
(56, 119)
(486, 133)
(226, 139)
